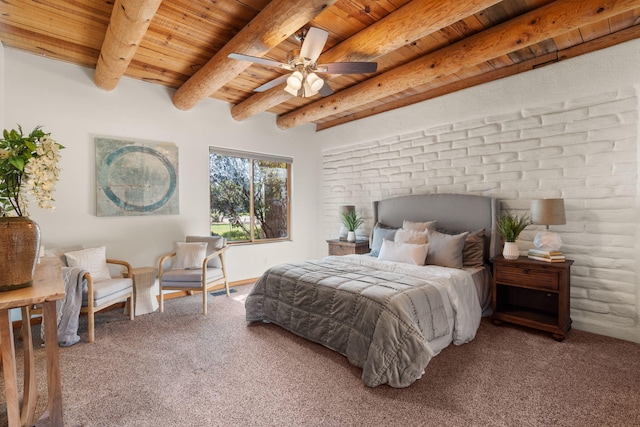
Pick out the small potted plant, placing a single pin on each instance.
(509, 226)
(351, 221)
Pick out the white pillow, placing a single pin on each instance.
(94, 260)
(189, 256)
(408, 253)
(411, 236)
(418, 226)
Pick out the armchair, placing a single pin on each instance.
(197, 265)
(104, 286)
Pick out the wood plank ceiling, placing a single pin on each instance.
(424, 48)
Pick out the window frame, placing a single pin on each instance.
(252, 157)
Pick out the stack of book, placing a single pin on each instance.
(548, 256)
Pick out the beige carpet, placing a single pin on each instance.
(185, 369)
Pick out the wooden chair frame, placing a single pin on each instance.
(90, 309)
(204, 287)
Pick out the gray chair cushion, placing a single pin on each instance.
(213, 244)
(173, 276)
(107, 289)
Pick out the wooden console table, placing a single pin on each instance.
(48, 287)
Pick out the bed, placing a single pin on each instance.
(384, 311)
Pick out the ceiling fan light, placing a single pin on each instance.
(315, 82)
(308, 91)
(294, 82)
(293, 92)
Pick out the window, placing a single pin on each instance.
(250, 195)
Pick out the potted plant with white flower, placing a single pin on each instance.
(28, 166)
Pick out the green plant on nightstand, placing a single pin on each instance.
(352, 221)
(509, 226)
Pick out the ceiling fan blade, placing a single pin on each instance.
(257, 60)
(325, 90)
(347, 67)
(313, 43)
(272, 83)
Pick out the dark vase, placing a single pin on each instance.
(19, 250)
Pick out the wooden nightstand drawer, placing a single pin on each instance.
(529, 277)
(342, 247)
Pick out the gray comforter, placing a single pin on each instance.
(380, 316)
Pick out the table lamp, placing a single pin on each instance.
(548, 212)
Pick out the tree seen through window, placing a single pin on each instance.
(249, 196)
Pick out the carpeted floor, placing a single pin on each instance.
(182, 368)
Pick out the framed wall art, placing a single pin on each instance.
(136, 178)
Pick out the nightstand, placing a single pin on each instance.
(532, 293)
(342, 247)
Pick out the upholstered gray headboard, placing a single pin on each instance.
(454, 212)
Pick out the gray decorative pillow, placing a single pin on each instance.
(446, 250)
(380, 233)
(473, 251)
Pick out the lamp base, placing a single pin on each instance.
(547, 240)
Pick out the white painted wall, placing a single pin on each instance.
(567, 130)
(64, 99)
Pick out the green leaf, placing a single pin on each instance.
(31, 146)
(18, 163)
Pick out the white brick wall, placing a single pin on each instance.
(583, 150)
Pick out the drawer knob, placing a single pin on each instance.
(525, 271)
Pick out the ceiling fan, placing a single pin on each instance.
(304, 81)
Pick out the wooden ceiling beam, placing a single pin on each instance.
(129, 22)
(390, 33)
(621, 36)
(274, 24)
(533, 27)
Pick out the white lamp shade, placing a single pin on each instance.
(294, 82)
(307, 90)
(315, 82)
(293, 92)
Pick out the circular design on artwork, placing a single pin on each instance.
(129, 153)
